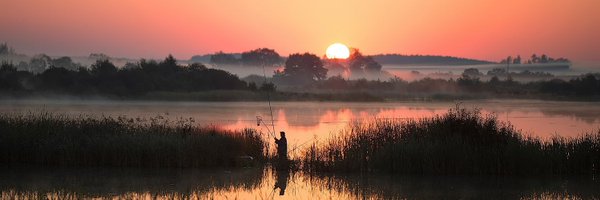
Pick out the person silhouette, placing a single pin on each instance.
(281, 147)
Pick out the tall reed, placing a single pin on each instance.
(460, 142)
(58, 140)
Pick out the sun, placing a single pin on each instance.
(337, 51)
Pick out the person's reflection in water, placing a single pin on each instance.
(281, 179)
(282, 169)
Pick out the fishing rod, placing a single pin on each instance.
(304, 143)
(260, 121)
(269, 99)
(258, 118)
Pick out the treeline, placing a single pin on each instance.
(534, 59)
(103, 77)
(256, 57)
(587, 85)
(398, 59)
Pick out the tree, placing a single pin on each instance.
(65, 62)
(534, 58)
(261, 56)
(5, 49)
(472, 73)
(517, 60)
(103, 68)
(39, 63)
(544, 59)
(497, 72)
(359, 63)
(223, 58)
(304, 68)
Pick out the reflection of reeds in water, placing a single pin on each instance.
(56, 140)
(124, 183)
(460, 142)
(384, 186)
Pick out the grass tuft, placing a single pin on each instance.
(460, 142)
(57, 140)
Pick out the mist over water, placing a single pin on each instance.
(312, 121)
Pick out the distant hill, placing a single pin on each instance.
(397, 59)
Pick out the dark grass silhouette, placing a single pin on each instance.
(57, 140)
(460, 142)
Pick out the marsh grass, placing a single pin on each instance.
(460, 142)
(59, 140)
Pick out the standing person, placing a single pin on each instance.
(281, 147)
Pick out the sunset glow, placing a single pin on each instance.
(488, 30)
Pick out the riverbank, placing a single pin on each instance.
(302, 96)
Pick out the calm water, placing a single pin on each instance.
(259, 183)
(305, 122)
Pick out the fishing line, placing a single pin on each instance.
(306, 142)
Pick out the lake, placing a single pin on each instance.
(305, 123)
(308, 122)
(263, 183)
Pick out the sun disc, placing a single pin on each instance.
(337, 51)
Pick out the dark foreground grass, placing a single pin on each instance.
(460, 142)
(57, 140)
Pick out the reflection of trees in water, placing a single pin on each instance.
(86, 183)
(311, 117)
(587, 115)
(582, 113)
(410, 187)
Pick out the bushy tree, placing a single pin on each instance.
(261, 56)
(359, 63)
(303, 68)
(472, 72)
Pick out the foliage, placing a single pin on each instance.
(56, 140)
(302, 69)
(585, 86)
(260, 57)
(223, 58)
(5, 49)
(133, 80)
(361, 64)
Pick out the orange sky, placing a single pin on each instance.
(479, 29)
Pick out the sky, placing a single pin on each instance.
(480, 29)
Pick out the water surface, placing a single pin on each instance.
(259, 183)
(307, 122)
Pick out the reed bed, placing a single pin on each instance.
(59, 140)
(460, 142)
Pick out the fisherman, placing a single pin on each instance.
(281, 147)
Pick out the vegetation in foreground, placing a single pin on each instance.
(461, 142)
(56, 140)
